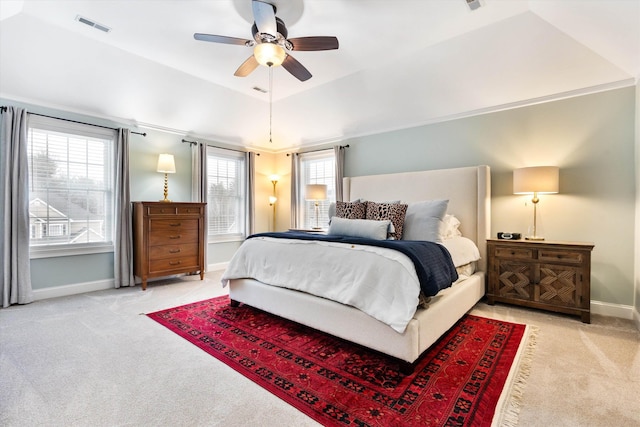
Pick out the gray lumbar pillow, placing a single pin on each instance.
(367, 228)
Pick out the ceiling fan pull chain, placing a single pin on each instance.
(270, 101)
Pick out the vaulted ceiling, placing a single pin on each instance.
(400, 63)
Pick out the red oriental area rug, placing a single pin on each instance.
(457, 382)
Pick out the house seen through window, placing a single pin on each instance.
(70, 183)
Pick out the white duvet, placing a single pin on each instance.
(379, 281)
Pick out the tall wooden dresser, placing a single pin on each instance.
(168, 238)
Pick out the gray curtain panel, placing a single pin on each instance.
(295, 189)
(199, 185)
(15, 279)
(339, 152)
(123, 235)
(250, 159)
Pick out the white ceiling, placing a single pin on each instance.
(400, 64)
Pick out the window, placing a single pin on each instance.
(226, 194)
(70, 185)
(317, 168)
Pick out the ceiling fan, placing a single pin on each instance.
(270, 43)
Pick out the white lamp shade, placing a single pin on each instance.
(316, 192)
(537, 179)
(166, 163)
(269, 54)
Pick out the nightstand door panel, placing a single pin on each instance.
(559, 285)
(516, 279)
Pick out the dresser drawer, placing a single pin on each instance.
(174, 264)
(162, 210)
(190, 210)
(178, 224)
(513, 253)
(173, 251)
(172, 237)
(562, 256)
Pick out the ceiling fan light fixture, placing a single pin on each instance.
(269, 54)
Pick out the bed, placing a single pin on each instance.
(467, 190)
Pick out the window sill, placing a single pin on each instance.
(50, 252)
(229, 239)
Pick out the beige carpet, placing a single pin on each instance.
(93, 360)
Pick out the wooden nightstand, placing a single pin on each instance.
(548, 275)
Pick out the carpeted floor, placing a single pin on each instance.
(459, 381)
(95, 360)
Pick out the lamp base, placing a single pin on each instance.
(535, 238)
(165, 200)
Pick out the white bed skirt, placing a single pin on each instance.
(351, 324)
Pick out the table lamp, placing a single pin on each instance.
(536, 180)
(316, 193)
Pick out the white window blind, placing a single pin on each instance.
(70, 184)
(317, 168)
(226, 194)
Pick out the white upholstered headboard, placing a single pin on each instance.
(468, 190)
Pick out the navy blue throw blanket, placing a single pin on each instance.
(432, 261)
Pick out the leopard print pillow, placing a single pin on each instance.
(391, 211)
(351, 210)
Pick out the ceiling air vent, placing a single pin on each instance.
(93, 24)
(473, 4)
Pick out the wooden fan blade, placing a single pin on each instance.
(246, 67)
(314, 43)
(296, 69)
(264, 15)
(221, 39)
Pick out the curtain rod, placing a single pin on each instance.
(4, 108)
(214, 146)
(319, 149)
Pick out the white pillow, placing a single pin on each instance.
(367, 228)
(450, 226)
(423, 220)
(462, 250)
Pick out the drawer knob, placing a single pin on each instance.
(174, 262)
(175, 237)
(174, 251)
(176, 224)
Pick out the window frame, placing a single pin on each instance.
(306, 213)
(242, 199)
(73, 129)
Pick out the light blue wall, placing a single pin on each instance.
(591, 138)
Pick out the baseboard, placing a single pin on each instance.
(612, 310)
(636, 319)
(99, 285)
(217, 266)
(73, 289)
